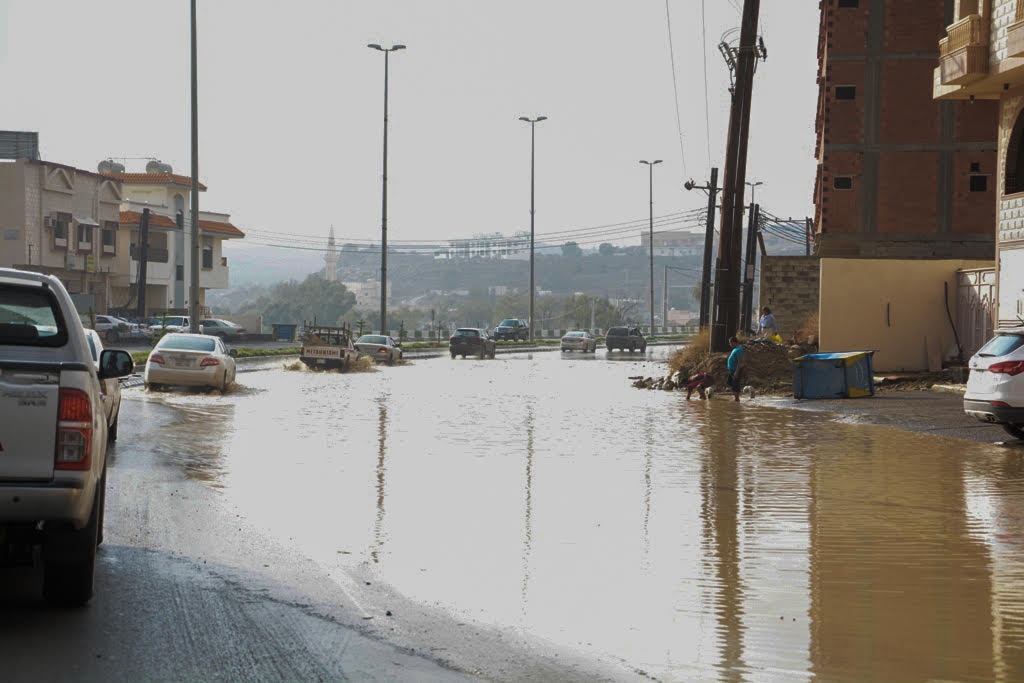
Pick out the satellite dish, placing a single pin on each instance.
(105, 166)
(154, 166)
(117, 167)
(165, 168)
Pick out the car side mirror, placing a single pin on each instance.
(233, 353)
(115, 363)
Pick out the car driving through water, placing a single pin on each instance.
(191, 360)
(995, 388)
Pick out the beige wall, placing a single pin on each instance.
(857, 293)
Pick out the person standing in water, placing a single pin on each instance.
(735, 366)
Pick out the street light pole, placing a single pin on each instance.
(650, 168)
(193, 293)
(384, 198)
(533, 136)
(753, 189)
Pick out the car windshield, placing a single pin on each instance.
(508, 323)
(29, 316)
(467, 333)
(184, 342)
(617, 332)
(372, 339)
(1001, 345)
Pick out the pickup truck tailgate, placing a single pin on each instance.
(28, 442)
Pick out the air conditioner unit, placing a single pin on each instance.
(49, 222)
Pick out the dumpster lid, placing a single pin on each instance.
(837, 355)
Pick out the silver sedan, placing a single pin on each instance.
(380, 348)
(579, 340)
(191, 360)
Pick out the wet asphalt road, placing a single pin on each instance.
(534, 517)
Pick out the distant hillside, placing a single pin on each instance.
(252, 264)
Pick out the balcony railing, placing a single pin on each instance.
(963, 53)
(153, 255)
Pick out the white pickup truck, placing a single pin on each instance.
(53, 434)
(327, 348)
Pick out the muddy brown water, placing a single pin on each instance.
(685, 539)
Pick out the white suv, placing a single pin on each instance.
(995, 389)
(53, 434)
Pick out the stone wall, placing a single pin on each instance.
(789, 286)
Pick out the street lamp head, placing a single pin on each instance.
(644, 161)
(689, 185)
(397, 47)
(375, 46)
(523, 118)
(657, 161)
(542, 118)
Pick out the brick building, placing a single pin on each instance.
(900, 175)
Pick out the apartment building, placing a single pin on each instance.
(65, 221)
(981, 63)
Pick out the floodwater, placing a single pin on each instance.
(685, 539)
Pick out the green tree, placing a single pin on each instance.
(606, 249)
(312, 299)
(571, 249)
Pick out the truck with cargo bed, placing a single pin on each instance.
(327, 348)
(53, 435)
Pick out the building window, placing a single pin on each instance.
(61, 227)
(179, 273)
(975, 167)
(207, 253)
(1015, 159)
(979, 183)
(845, 92)
(109, 238)
(85, 238)
(852, 4)
(842, 182)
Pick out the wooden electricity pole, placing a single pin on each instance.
(726, 309)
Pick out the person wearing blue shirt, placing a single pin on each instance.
(767, 327)
(735, 366)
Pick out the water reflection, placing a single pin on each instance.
(521, 491)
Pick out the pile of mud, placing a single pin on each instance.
(768, 368)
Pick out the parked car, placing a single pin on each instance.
(995, 387)
(110, 388)
(512, 329)
(53, 434)
(471, 341)
(172, 323)
(225, 329)
(625, 339)
(380, 348)
(191, 360)
(579, 341)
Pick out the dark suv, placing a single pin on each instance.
(625, 338)
(469, 341)
(512, 328)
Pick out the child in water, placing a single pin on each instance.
(735, 365)
(699, 383)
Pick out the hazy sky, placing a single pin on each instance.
(290, 104)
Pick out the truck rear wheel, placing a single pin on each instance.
(69, 559)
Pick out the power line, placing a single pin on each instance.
(675, 87)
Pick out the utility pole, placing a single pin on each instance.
(810, 233)
(726, 309)
(193, 290)
(751, 261)
(709, 243)
(533, 139)
(384, 198)
(650, 169)
(143, 260)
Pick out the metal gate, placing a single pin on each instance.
(976, 301)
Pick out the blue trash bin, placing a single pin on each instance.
(849, 374)
(284, 332)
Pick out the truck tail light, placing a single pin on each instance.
(208, 361)
(74, 431)
(1010, 367)
(156, 358)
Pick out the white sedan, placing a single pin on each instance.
(110, 388)
(380, 348)
(995, 387)
(192, 360)
(579, 341)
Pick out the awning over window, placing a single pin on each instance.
(85, 220)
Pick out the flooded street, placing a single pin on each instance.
(682, 539)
